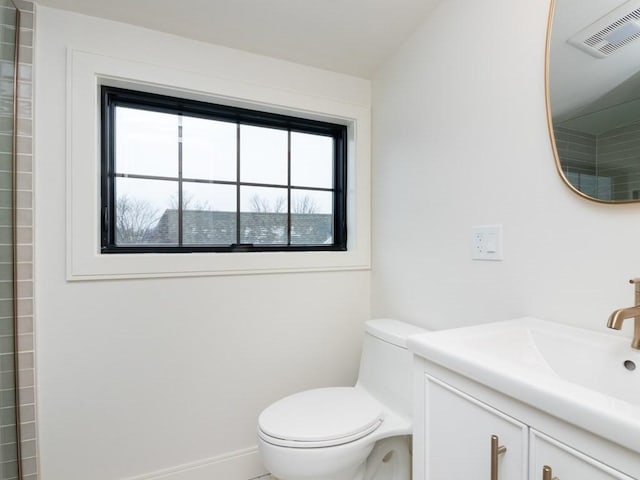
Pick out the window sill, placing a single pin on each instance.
(205, 264)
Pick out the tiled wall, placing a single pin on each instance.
(576, 149)
(8, 447)
(23, 285)
(604, 165)
(26, 377)
(578, 154)
(619, 157)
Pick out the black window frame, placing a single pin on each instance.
(111, 97)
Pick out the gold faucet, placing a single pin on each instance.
(620, 315)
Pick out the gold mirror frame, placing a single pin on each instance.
(550, 121)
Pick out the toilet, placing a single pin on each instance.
(348, 433)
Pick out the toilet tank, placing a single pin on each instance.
(385, 363)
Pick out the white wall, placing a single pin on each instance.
(137, 376)
(460, 139)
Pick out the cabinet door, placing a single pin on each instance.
(458, 437)
(565, 462)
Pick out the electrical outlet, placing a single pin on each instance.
(486, 242)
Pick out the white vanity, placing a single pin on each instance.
(525, 399)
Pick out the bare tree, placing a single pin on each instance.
(305, 204)
(262, 205)
(189, 203)
(135, 218)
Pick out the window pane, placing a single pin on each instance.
(209, 214)
(311, 217)
(146, 142)
(146, 212)
(263, 155)
(311, 160)
(263, 218)
(208, 149)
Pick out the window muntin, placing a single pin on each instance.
(184, 176)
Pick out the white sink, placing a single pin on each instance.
(584, 377)
(600, 362)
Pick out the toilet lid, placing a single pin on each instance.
(320, 417)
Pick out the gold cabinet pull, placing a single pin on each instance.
(496, 451)
(547, 473)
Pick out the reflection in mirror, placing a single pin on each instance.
(593, 95)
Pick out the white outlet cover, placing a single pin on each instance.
(486, 242)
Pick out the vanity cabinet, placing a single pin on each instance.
(565, 463)
(460, 437)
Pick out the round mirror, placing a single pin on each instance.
(593, 96)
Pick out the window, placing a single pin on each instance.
(187, 176)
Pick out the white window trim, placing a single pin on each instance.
(87, 71)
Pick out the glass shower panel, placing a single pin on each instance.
(9, 444)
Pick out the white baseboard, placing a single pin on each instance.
(239, 465)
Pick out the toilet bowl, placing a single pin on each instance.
(348, 433)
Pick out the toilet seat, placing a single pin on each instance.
(320, 418)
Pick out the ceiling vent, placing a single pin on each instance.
(618, 28)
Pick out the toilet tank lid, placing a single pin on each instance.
(392, 331)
